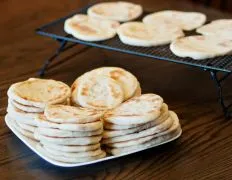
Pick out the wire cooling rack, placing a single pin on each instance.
(55, 30)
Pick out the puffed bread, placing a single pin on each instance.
(184, 20)
(137, 110)
(39, 92)
(119, 11)
(87, 28)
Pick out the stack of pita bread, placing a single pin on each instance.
(70, 134)
(104, 88)
(139, 123)
(28, 99)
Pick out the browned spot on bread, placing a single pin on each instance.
(116, 74)
(84, 28)
(84, 91)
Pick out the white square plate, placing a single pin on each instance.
(32, 145)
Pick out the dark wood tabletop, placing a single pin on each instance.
(204, 150)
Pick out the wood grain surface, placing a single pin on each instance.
(203, 152)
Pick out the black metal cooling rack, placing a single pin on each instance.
(223, 64)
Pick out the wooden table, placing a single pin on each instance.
(203, 152)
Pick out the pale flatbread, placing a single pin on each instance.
(68, 141)
(184, 20)
(64, 133)
(97, 92)
(164, 114)
(152, 142)
(140, 34)
(30, 109)
(69, 148)
(119, 11)
(43, 122)
(142, 136)
(39, 92)
(40, 148)
(201, 47)
(125, 79)
(157, 129)
(70, 114)
(220, 27)
(73, 154)
(138, 91)
(15, 112)
(26, 126)
(90, 29)
(24, 132)
(28, 121)
(137, 110)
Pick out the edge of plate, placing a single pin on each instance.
(31, 144)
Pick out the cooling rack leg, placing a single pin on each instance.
(218, 83)
(58, 51)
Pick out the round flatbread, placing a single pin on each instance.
(39, 92)
(70, 114)
(164, 114)
(26, 126)
(153, 142)
(73, 154)
(64, 133)
(73, 148)
(184, 20)
(157, 128)
(40, 148)
(201, 47)
(140, 34)
(43, 122)
(220, 27)
(68, 141)
(90, 29)
(118, 11)
(29, 109)
(97, 92)
(137, 110)
(125, 79)
(24, 132)
(142, 136)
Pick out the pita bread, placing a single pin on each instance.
(14, 111)
(64, 133)
(142, 136)
(24, 132)
(73, 154)
(119, 11)
(201, 47)
(39, 92)
(68, 148)
(125, 79)
(40, 148)
(68, 141)
(220, 27)
(99, 92)
(70, 114)
(152, 142)
(30, 109)
(184, 20)
(138, 91)
(137, 110)
(28, 121)
(140, 34)
(157, 128)
(26, 127)
(90, 29)
(43, 122)
(164, 114)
